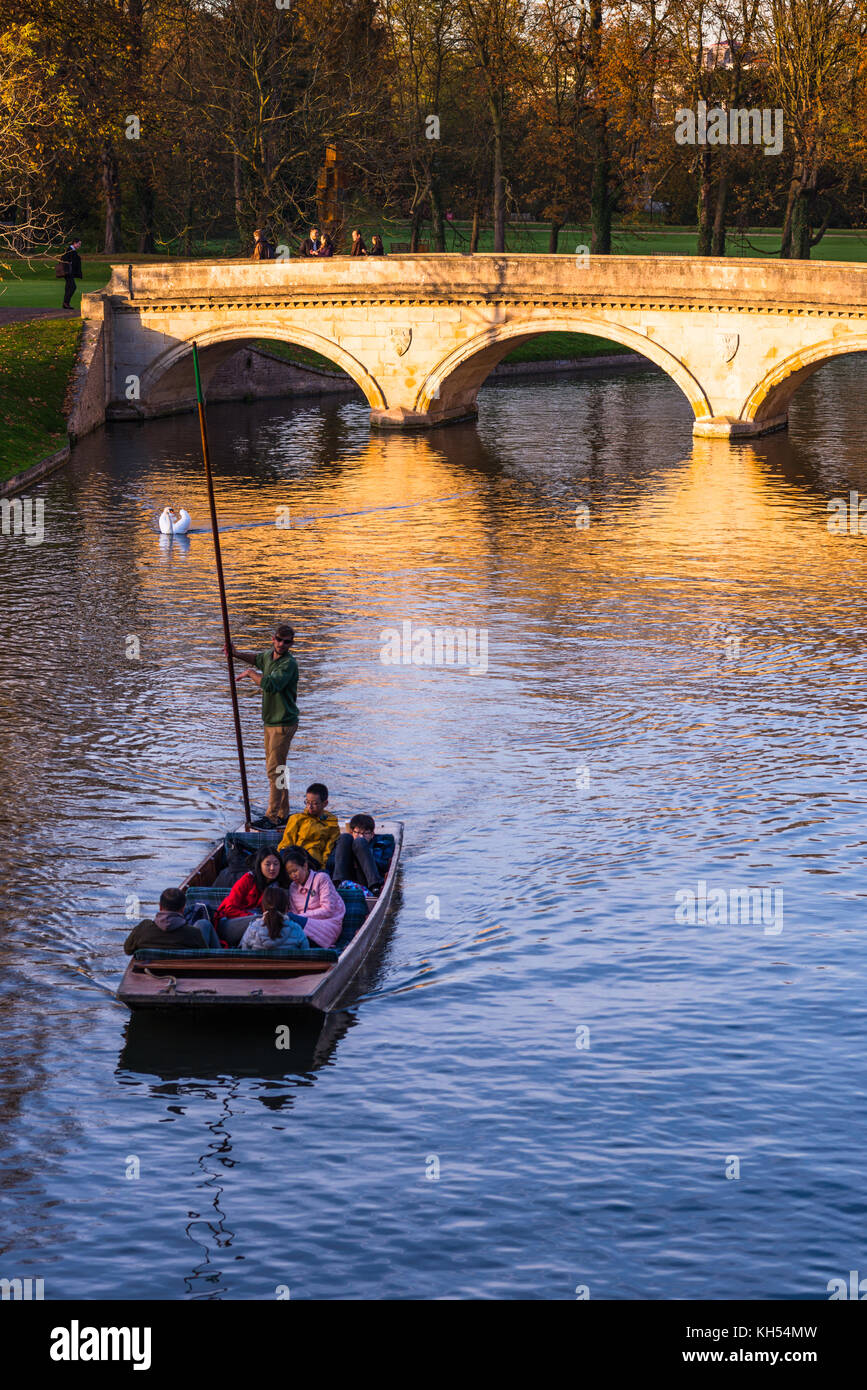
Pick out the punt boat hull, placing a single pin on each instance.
(181, 985)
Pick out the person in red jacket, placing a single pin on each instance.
(233, 915)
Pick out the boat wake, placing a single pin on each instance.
(292, 524)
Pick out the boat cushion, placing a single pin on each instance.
(318, 953)
(211, 897)
(356, 912)
(249, 841)
(382, 847)
(228, 876)
(239, 852)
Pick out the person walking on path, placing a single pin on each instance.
(70, 262)
(358, 247)
(275, 672)
(376, 246)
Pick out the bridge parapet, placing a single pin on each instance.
(751, 283)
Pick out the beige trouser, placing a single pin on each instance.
(277, 740)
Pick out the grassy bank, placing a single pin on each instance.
(36, 359)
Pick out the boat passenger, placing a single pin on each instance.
(314, 898)
(241, 903)
(352, 859)
(314, 829)
(169, 930)
(277, 926)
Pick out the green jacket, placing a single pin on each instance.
(279, 688)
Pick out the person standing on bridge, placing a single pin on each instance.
(275, 672)
(311, 244)
(263, 249)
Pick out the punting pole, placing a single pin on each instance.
(222, 583)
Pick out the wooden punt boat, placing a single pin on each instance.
(181, 981)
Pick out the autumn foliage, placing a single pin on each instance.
(154, 125)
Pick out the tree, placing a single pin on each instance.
(492, 33)
(816, 51)
(553, 151)
(713, 63)
(421, 51)
(28, 119)
(281, 84)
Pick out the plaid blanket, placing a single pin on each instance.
(279, 953)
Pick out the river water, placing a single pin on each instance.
(558, 1076)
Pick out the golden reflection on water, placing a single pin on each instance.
(720, 515)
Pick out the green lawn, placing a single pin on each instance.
(36, 359)
(549, 347)
(299, 355)
(649, 241)
(31, 285)
(36, 293)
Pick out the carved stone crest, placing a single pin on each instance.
(728, 344)
(401, 339)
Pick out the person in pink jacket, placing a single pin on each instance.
(312, 896)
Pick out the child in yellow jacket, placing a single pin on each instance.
(314, 829)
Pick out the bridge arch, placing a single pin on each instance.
(173, 362)
(770, 399)
(453, 384)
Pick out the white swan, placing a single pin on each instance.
(170, 525)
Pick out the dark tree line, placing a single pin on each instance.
(154, 125)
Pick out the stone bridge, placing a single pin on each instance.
(419, 334)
